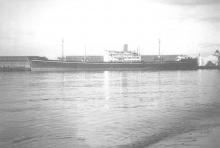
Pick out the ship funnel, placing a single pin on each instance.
(125, 48)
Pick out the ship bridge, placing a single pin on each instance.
(122, 56)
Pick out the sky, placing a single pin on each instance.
(36, 27)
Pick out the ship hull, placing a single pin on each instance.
(38, 65)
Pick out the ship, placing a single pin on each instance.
(38, 65)
(115, 61)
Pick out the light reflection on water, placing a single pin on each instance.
(105, 109)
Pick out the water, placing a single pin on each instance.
(105, 109)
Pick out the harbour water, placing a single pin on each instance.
(105, 109)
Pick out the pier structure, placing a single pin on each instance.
(17, 63)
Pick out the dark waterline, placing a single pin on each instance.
(105, 109)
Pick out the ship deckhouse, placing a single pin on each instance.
(122, 56)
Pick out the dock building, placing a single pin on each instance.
(17, 63)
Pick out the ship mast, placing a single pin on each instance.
(159, 55)
(85, 53)
(62, 58)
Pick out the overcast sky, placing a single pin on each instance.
(36, 27)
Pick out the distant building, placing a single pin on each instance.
(9, 63)
(17, 63)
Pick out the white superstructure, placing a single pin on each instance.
(122, 56)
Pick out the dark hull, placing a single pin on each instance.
(38, 65)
